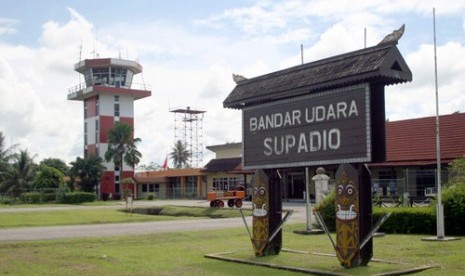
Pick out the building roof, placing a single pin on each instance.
(382, 64)
(214, 148)
(222, 165)
(162, 176)
(240, 170)
(132, 65)
(413, 142)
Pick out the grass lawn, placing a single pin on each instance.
(104, 215)
(72, 217)
(182, 253)
(20, 205)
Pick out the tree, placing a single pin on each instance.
(122, 146)
(89, 170)
(20, 175)
(180, 155)
(48, 177)
(457, 172)
(56, 163)
(150, 167)
(6, 155)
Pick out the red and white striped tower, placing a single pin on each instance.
(108, 94)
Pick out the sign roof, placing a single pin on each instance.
(381, 64)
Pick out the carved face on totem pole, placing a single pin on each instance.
(260, 212)
(347, 219)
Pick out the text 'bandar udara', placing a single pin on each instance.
(318, 113)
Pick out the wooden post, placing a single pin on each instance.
(276, 209)
(366, 212)
(353, 215)
(267, 212)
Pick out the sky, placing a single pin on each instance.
(189, 51)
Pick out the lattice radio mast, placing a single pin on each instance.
(188, 128)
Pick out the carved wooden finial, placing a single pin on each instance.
(394, 36)
(238, 78)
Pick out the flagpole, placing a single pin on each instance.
(440, 207)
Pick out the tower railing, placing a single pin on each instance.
(135, 86)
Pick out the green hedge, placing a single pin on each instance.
(77, 197)
(31, 197)
(38, 197)
(408, 220)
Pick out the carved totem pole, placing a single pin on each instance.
(266, 238)
(353, 215)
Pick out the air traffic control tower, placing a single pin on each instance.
(108, 94)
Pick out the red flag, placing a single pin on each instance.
(165, 165)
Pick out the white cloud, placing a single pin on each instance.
(34, 110)
(417, 99)
(8, 26)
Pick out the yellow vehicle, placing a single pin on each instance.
(233, 197)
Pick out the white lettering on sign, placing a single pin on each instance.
(275, 120)
(339, 110)
(313, 141)
(320, 113)
(307, 142)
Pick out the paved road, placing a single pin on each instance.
(137, 228)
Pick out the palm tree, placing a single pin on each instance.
(89, 170)
(20, 175)
(6, 154)
(122, 146)
(180, 155)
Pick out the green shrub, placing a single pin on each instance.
(453, 199)
(6, 200)
(49, 196)
(327, 209)
(48, 177)
(150, 197)
(31, 197)
(77, 197)
(405, 220)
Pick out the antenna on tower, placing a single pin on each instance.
(80, 51)
(80, 57)
(94, 51)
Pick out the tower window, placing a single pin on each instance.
(116, 107)
(97, 140)
(118, 76)
(100, 76)
(85, 133)
(97, 109)
(85, 108)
